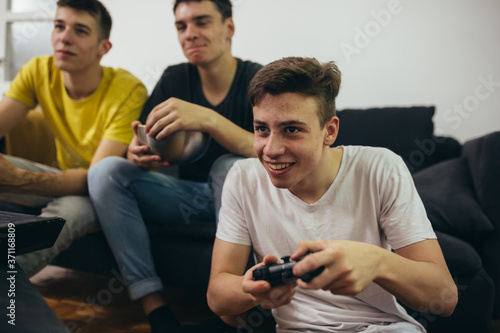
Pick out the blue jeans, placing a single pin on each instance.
(131, 203)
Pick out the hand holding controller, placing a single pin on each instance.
(278, 274)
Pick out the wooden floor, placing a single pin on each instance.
(87, 303)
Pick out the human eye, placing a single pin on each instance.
(180, 27)
(260, 129)
(58, 26)
(292, 130)
(82, 32)
(203, 22)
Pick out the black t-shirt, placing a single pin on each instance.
(183, 81)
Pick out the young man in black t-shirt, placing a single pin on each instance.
(209, 94)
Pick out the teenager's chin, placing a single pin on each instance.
(279, 183)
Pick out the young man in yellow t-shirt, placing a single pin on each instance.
(89, 109)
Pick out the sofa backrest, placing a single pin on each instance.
(407, 131)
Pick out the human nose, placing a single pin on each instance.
(64, 36)
(274, 145)
(191, 32)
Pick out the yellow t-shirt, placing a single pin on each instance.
(79, 126)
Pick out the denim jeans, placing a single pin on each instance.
(76, 210)
(131, 203)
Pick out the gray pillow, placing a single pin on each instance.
(448, 195)
(483, 158)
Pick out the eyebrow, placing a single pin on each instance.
(78, 25)
(283, 124)
(196, 18)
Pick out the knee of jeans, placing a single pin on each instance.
(100, 174)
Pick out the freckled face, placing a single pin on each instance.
(289, 141)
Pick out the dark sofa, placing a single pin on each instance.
(459, 185)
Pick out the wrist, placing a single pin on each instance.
(383, 270)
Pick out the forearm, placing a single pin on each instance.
(422, 286)
(229, 135)
(226, 297)
(48, 184)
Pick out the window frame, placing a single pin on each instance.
(45, 13)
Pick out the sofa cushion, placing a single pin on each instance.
(483, 158)
(462, 259)
(449, 199)
(406, 131)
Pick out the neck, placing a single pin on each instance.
(81, 85)
(322, 180)
(217, 77)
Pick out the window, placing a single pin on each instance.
(25, 28)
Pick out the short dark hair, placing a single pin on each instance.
(305, 76)
(224, 7)
(94, 8)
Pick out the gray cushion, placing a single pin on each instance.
(447, 193)
(406, 131)
(483, 158)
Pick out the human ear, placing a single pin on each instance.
(231, 27)
(331, 131)
(104, 47)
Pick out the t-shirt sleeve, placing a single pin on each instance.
(403, 216)
(160, 94)
(232, 226)
(22, 88)
(119, 128)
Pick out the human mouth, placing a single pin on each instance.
(279, 166)
(65, 53)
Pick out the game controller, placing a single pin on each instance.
(278, 274)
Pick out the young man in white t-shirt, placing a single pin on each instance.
(349, 206)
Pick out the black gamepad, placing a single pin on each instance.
(278, 274)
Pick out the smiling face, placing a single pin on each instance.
(203, 36)
(290, 143)
(75, 40)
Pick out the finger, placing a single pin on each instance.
(139, 150)
(165, 127)
(156, 113)
(270, 259)
(308, 263)
(276, 297)
(255, 287)
(305, 246)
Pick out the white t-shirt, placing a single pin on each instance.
(372, 199)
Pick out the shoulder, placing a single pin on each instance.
(248, 68)
(178, 70)
(365, 154)
(364, 159)
(40, 65)
(121, 76)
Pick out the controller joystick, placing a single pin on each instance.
(278, 274)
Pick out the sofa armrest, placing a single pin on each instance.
(32, 139)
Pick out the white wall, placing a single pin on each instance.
(391, 53)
